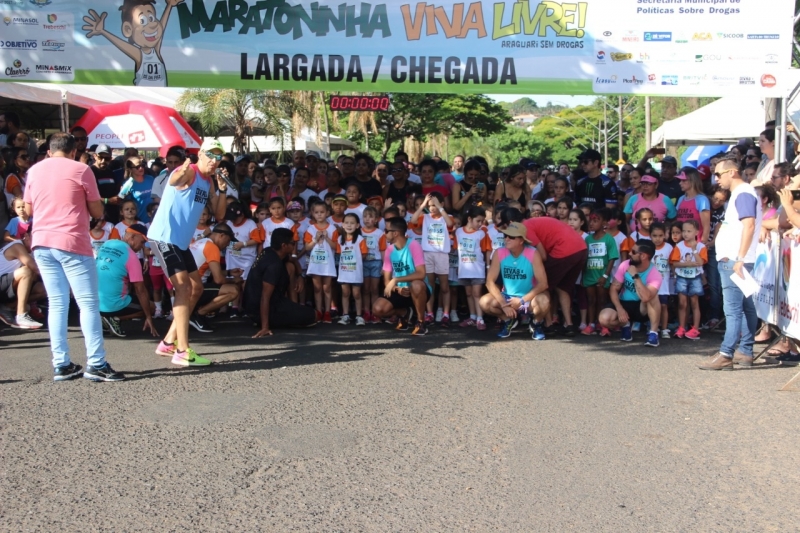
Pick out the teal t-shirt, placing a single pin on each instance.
(518, 274)
(117, 266)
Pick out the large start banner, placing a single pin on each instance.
(659, 47)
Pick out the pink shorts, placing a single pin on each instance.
(159, 279)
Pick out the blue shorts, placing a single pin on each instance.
(373, 269)
(663, 299)
(689, 286)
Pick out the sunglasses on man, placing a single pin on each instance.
(212, 155)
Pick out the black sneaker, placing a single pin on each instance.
(554, 329)
(113, 325)
(103, 373)
(788, 359)
(199, 323)
(569, 331)
(420, 329)
(404, 322)
(65, 373)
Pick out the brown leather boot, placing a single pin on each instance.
(741, 359)
(717, 362)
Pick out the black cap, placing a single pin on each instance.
(532, 165)
(138, 228)
(590, 155)
(225, 229)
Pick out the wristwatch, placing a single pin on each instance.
(635, 276)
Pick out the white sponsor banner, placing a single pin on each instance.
(660, 47)
(765, 272)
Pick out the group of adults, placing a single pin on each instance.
(541, 254)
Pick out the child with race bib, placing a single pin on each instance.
(658, 234)
(473, 245)
(352, 248)
(596, 276)
(436, 246)
(373, 264)
(320, 242)
(688, 259)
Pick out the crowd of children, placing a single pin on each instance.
(341, 244)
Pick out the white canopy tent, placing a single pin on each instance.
(305, 141)
(723, 121)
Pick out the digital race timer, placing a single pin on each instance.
(359, 103)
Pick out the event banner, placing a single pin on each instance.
(765, 272)
(659, 47)
(789, 289)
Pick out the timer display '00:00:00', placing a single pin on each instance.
(359, 103)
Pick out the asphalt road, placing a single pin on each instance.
(342, 429)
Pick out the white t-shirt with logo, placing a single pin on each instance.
(744, 203)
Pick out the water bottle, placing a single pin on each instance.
(126, 188)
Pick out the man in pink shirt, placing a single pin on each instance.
(62, 194)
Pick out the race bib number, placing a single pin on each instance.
(372, 245)
(597, 249)
(661, 264)
(347, 261)
(319, 256)
(436, 236)
(156, 262)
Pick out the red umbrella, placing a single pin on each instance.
(140, 125)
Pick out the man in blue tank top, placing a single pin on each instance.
(189, 190)
(524, 289)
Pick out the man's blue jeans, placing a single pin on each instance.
(61, 271)
(740, 313)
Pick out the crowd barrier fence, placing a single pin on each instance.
(777, 271)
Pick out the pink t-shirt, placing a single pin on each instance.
(653, 278)
(59, 189)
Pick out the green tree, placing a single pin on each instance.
(242, 113)
(421, 115)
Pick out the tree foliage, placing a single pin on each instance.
(527, 106)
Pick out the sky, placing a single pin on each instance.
(542, 99)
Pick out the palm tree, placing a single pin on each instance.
(242, 112)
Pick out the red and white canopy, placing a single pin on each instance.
(139, 125)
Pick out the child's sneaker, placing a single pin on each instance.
(367, 316)
(318, 315)
(636, 326)
(428, 318)
(588, 330)
(345, 320)
(468, 323)
(445, 321)
(439, 315)
(376, 320)
(693, 334)
(625, 333)
(454, 317)
(680, 333)
(480, 325)
(604, 332)
(326, 318)
(159, 313)
(665, 334)
(360, 321)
